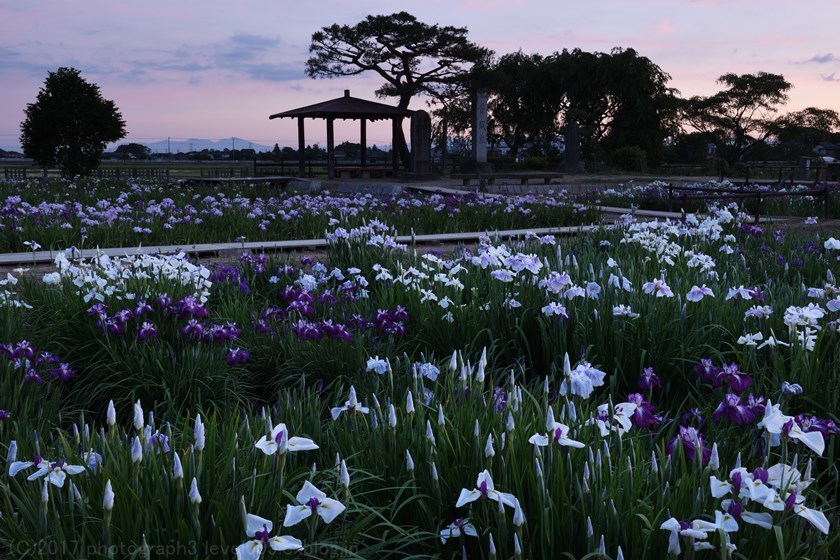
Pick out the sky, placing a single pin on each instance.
(216, 69)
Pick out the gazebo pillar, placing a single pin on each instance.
(395, 132)
(330, 148)
(301, 149)
(363, 135)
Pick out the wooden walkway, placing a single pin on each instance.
(40, 257)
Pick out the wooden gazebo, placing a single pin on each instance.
(345, 108)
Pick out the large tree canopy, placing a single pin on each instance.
(411, 56)
(741, 116)
(70, 124)
(802, 130)
(523, 104)
(619, 98)
(132, 149)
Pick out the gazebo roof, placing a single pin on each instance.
(345, 108)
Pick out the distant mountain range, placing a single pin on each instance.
(173, 146)
(198, 144)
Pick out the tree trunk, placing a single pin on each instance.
(399, 138)
(401, 146)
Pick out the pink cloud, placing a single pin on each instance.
(486, 6)
(664, 28)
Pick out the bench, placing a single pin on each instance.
(366, 172)
(273, 181)
(15, 173)
(490, 178)
(132, 173)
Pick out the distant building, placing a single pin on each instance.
(829, 149)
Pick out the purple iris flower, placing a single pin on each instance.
(691, 439)
(64, 372)
(289, 293)
(263, 535)
(142, 308)
(733, 409)
(98, 310)
(33, 377)
(643, 416)
(790, 501)
(648, 380)
(499, 399)
(163, 301)
(391, 322)
(787, 427)
(400, 314)
(47, 358)
(483, 488)
(693, 417)
(193, 329)
(813, 424)
(123, 315)
(753, 230)
(735, 509)
(189, 305)
(737, 481)
(23, 350)
(737, 380)
(159, 440)
(5, 414)
(306, 330)
(237, 356)
(327, 298)
(706, 370)
(337, 331)
(147, 331)
(757, 405)
(113, 325)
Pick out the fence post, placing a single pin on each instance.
(670, 197)
(826, 202)
(758, 208)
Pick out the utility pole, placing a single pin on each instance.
(168, 150)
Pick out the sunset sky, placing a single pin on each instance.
(215, 69)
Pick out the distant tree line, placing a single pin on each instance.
(620, 100)
(348, 151)
(620, 103)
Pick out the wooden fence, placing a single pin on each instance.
(687, 194)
